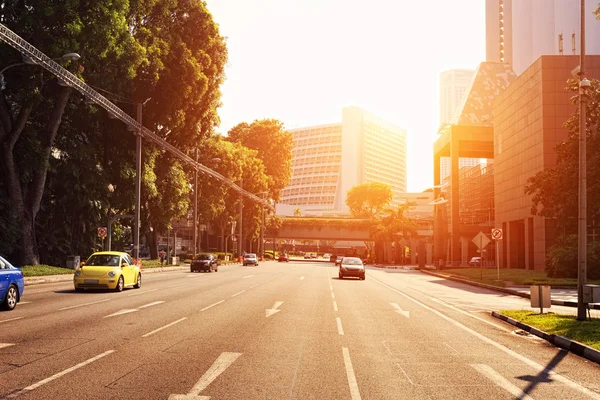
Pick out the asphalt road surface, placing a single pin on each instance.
(280, 331)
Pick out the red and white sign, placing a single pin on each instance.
(102, 232)
(496, 234)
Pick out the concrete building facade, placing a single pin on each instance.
(528, 124)
(518, 32)
(328, 160)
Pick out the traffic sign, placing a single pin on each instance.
(496, 234)
(102, 232)
(481, 240)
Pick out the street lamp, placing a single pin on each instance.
(30, 61)
(215, 159)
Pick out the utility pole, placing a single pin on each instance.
(138, 184)
(240, 249)
(582, 226)
(262, 232)
(196, 206)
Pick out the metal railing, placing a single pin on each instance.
(18, 43)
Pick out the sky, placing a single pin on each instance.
(302, 61)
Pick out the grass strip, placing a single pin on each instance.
(586, 332)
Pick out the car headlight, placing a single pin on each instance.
(78, 272)
(111, 274)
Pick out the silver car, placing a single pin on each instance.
(250, 259)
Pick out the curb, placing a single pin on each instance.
(505, 290)
(560, 341)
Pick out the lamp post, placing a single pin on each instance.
(29, 61)
(216, 159)
(240, 244)
(582, 222)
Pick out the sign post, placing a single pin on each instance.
(497, 236)
(481, 240)
(102, 234)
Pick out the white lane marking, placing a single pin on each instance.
(331, 288)
(56, 376)
(400, 311)
(178, 285)
(405, 374)
(386, 346)
(238, 293)
(164, 327)
(126, 311)
(302, 278)
(12, 319)
(274, 309)
(470, 315)
(144, 292)
(154, 303)
(500, 381)
(332, 296)
(499, 346)
(3, 345)
(25, 302)
(83, 305)
(354, 392)
(339, 325)
(248, 276)
(212, 305)
(335, 306)
(218, 367)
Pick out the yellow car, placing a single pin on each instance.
(108, 270)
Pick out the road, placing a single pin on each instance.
(280, 331)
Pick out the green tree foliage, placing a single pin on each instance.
(166, 50)
(368, 199)
(274, 147)
(554, 191)
(561, 260)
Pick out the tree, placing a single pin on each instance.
(274, 147)
(32, 102)
(369, 199)
(297, 212)
(554, 191)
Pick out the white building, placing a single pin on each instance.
(518, 32)
(328, 160)
(454, 84)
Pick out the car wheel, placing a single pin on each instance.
(216, 269)
(362, 278)
(138, 283)
(120, 284)
(10, 302)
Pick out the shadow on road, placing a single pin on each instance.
(543, 376)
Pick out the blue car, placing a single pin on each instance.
(11, 285)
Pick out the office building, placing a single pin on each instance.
(454, 84)
(328, 160)
(518, 32)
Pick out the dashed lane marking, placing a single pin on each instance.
(164, 327)
(354, 392)
(335, 308)
(212, 305)
(83, 305)
(238, 293)
(58, 375)
(339, 325)
(11, 319)
(3, 345)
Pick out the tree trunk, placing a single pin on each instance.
(152, 240)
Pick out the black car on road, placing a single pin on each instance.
(204, 262)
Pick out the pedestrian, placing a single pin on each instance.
(163, 256)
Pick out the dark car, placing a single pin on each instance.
(205, 262)
(352, 266)
(283, 257)
(11, 285)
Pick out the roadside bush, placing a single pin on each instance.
(561, 259)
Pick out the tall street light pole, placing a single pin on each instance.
(582, 225)
(196, 206)
(138, 184)
(240, 249)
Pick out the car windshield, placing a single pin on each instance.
(351, 261)
(103, 260)
(203, 257)
(250, 255)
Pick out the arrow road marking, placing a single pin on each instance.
(218, 367)
(3, 345)
(271, 311)
(399, 310)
